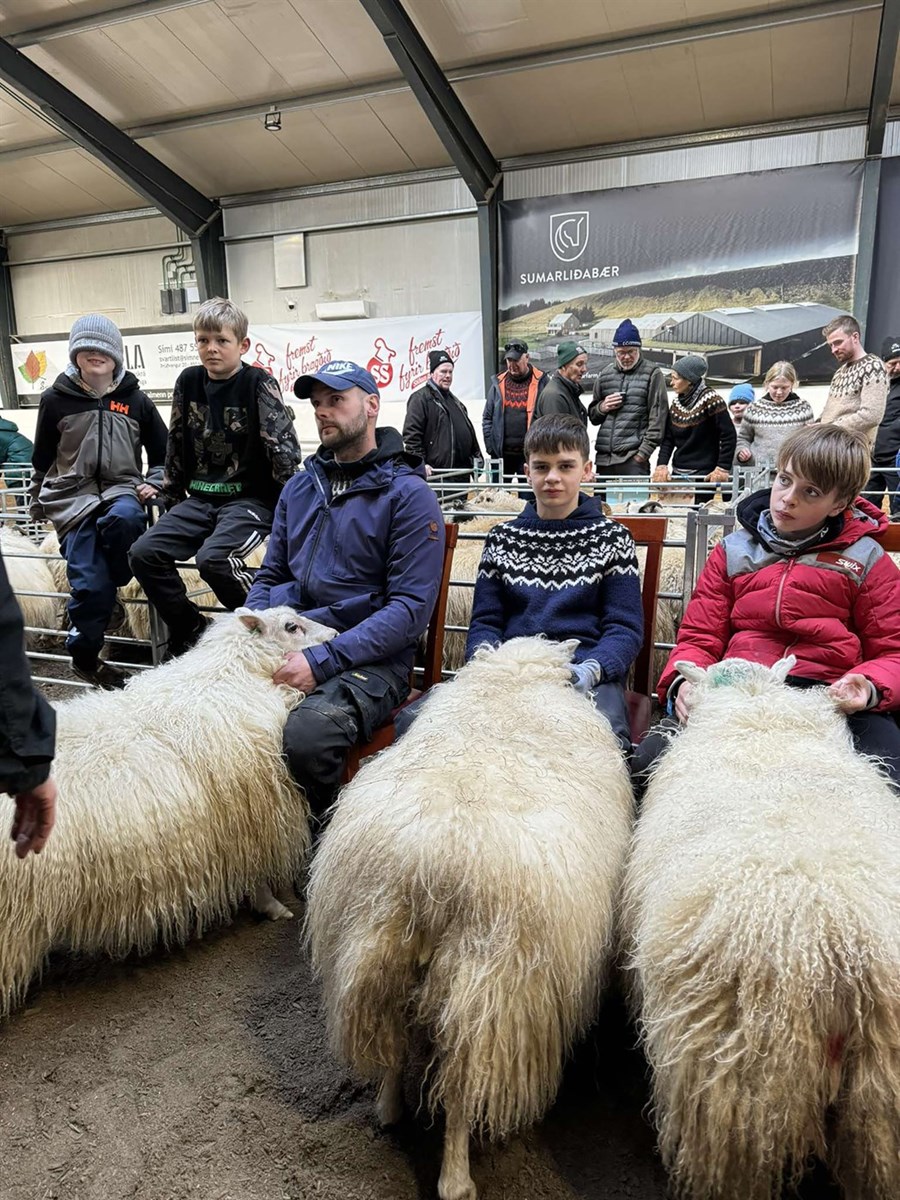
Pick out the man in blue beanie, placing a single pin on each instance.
(630, 403)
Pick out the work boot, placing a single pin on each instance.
(102, 675)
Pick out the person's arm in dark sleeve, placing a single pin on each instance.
(487, 623)
(657, 412)
(27, 722)
(727, 440)
(46, 444)
(174, 478)
(154, 437)
(487, 421)
(621, 613)
(415, 558)
(276, 428)
(414, 431)
(595, 416)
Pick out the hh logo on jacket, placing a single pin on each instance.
(117, 406)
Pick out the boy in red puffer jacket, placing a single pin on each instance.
(805, 575)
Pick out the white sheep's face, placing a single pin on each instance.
(750, 677)
(284, 627)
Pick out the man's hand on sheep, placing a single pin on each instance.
(852, 693)
(33, 819)
(296, 673)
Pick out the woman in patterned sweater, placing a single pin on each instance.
(769, 420)
(699, 431)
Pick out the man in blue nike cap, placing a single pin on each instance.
(357, 544)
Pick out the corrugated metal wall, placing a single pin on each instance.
(406, 245)
(52, 285)
(693, 162)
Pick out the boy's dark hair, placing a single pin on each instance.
(217, 314)
(555, 433)
(845, 324)
(832, 458)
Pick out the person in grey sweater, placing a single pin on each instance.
(769, 420)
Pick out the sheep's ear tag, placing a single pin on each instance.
(728, 673)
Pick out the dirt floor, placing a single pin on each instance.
(204, 1074)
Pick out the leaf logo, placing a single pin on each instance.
(34, 366)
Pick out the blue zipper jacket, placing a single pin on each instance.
(366, 561)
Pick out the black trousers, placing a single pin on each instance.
(218, 537)
(629, 468)
(884, 479)
(341, 712)
(514, 463)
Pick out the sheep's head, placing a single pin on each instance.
(284, 628)
(752, 678)
(528, 657)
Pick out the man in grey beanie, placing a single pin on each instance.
(92, 425)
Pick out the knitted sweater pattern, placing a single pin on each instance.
(766, 425)
(574, 578)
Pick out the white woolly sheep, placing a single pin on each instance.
(29, 571)
(761, 915)
(467, 882)
(174, 804)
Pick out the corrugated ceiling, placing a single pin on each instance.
(186, 61)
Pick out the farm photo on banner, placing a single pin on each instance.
(744, 269)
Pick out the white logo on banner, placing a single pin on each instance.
(569, 235)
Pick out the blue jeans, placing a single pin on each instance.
(96, 554)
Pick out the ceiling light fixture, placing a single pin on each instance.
(272, 119)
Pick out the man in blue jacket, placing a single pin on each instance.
(357, 544)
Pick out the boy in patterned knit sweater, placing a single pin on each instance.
(563, 569)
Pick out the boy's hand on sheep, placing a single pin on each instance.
(586, 675)
(34, 817)
(296, 673)
(683, 702)
(852, 693)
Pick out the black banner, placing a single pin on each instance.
(745, 269)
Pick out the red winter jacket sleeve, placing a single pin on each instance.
(875, 620)
(705, 630)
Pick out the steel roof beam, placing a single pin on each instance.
(444, 109)
(883, 76)
(610, 48)
(173, 196)
(87, 24)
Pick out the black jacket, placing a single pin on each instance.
(887, 440)
(428, 430)
(560, 395)
(27, 722)
(87, 449)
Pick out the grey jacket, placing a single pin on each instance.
(638, 425)
(87, 449)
